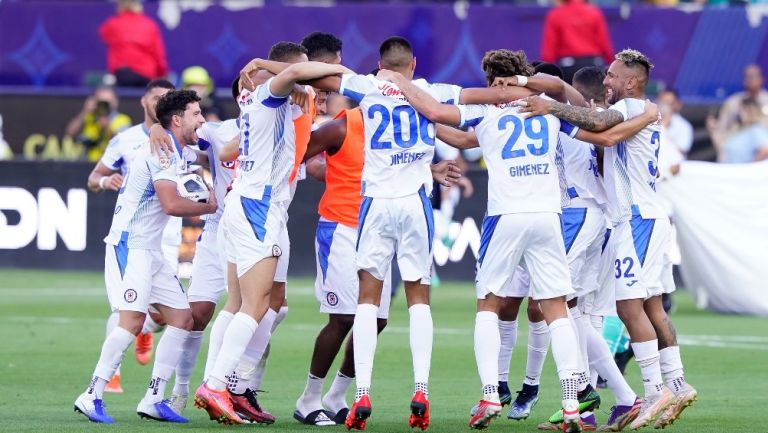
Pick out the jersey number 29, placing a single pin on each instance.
(518, 126)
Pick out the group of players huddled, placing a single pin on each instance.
(572, 223)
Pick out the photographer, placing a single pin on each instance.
(97, 122)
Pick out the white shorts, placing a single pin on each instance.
(602, 302)
(252, 229)
(284, 242)
(519, 286)
(583, 233)
(403, 225)
(337, 287)
(533, 239)
(136, 278)
(209, 267)
(639, 246)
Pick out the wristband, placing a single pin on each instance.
(102, 181)
(522, 80)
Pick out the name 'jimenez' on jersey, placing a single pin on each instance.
(523, 156)
(399, 142)
(139, 218)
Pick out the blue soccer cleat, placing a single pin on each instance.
(160, 411)
(525, 401)
(93, 409)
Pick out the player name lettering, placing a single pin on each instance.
(406, 157)
(529, 170)
(391, 91)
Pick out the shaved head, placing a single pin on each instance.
(396, 54)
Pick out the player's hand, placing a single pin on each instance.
(245, 74)
(160, 142)
(652, 112)
(504, 82)
(213, 206)
(113, 182)
(299, 96)
(447, 173)
(533, 105)
(388, 75)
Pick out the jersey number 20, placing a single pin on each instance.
(518, 125)
(416, 124)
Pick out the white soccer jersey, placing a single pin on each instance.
(399, 142)
(630, 169)
(124, 147)
(267, 144)
(212, 137)
(139, 219)
(521, 156)
(580, 162)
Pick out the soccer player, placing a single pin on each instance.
(108, 175)
(639, 238)
(255, 218)
(522, 224)
(136, 274)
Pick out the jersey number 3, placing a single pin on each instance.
(518, 125)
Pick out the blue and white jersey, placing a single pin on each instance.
(399, 142)
(139, 218)
(630, 169)
(212, 137)
(585, 186)
(124, 147)
(267, 144)
(522, 158)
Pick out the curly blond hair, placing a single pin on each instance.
(505, 63)
(632, 57)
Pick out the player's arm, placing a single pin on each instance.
(422, 101)
(316, 167)
(178, 206)
(506, 89)
(623, 130)
(585, 118)
(231, 150)
(103, 178)
(278, 67)
(456, 137)
(329, 137)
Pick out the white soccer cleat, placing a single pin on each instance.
(651, 408)
(178, 403)
(92, 408)
(684, 398)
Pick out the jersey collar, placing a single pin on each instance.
(175, 143)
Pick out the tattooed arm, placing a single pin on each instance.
(583, 117)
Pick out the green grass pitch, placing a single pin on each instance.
(52, 327)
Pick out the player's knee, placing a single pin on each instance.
(533, 311)
(342, 323)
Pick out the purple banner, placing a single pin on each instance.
(57, 43)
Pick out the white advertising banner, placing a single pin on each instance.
(721, 215)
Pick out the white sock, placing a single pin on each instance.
(565, 351)
(336, 397)
(577, 322)
(187, 362)
(538, 345)
(601, 359)
(246, 368)
(647, 355)
(167, 356)
(217, 335)
(487, 346)
(112, 320)
(309, 401)
(149, 325)
(233, 345)
(112, 352)
(258, 375)
(364, 337)
(421, 331)
(508, 332)
(597, 324)
(672, 368)
(280, 317)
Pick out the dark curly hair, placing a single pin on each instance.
(505, 63)
(174, 103)
(320, 45)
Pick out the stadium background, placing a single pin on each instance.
(50, 57)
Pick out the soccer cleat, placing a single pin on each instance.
(160, 411)
(217, 404)
(589, 400)
(419, 411)
(93, 409)
(317, 417)
(360, 412)
(482, 414)
(571, 417)
(247, 406)
(178, 403)
(339, 416)
(524, 403)
(505, 395)
(621, 416)
(589, 423)
(143, 348)
(651, 407)
(114, 385)
(684, 398)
